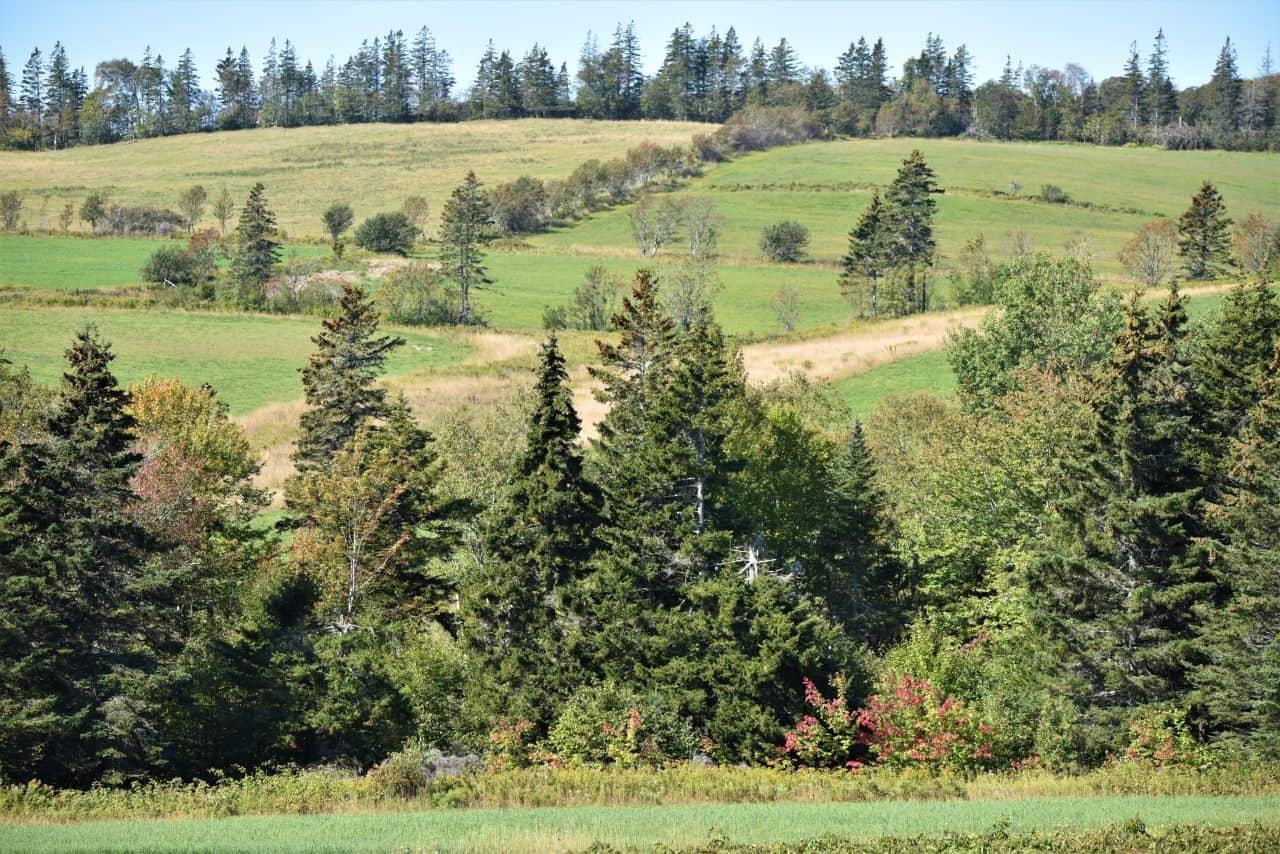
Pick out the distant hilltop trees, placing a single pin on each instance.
(394, 78)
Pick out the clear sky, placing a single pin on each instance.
(1093, 33)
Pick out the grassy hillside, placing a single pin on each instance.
(826, 185)
(251, 360)
(374, 167)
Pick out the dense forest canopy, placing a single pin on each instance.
(403, 78)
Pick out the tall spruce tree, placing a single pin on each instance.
(519, 602)
(257, 250)
(1239, 683)
(339, 381)
(1117, 587)
(868, 259)
(1204, 237)
(466, 222)
(910, 209)
(1229, 368)
(74, 623)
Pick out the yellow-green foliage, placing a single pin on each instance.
(374, 167)
(298, 792)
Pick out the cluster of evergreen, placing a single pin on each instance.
(704, 78)
(1083, 551)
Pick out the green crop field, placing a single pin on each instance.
(512, 830)
(826, 185)
(251, 360)
(72, 263)
(374, 167)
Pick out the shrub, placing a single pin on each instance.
(303, 286)
(410, 771)
(915, 726)
(387, 232)
(172, 265)
(757, 128)
(417, 295)
(140, 220)
(784, 241)
(1053, 194)
(337, 219)
(519, 206)
(608, 724)
(592, 306)
(1160, 735)
(10, 209)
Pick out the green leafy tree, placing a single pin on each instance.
(466, 222)
(257, 250)
(784, 241)
(387, 232)
(337, 219)
(535, 549)
(73, 626)
(94, 209)
(191, 204)
(1053, 316)
(371, 523)
(223, 208)
(339, 381)
(1204, 234)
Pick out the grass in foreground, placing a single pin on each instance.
(578, 828)
(251, 360)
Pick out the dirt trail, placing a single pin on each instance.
(830, 357)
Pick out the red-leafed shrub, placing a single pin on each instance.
(915, 726)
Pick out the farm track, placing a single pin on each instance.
(494, 370)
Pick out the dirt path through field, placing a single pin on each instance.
(830, 357)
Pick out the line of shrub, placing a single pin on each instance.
(419, 780)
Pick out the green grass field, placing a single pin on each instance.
(374, 167)
(826, 185)
(74, 263)
(251, 360)
(556, 829)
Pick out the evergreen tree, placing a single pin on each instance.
(867, 260)
(520, 602)
(856, 581)
(1224, 91)
(1135, 91)
(1162, 98)
(909, 210)
(33, 89)
(1117, 588)
(1229, 369)
(339, 381)
(466, 222)
(1204, 236)
(1239, 684)
(257, 250)
(74, 628)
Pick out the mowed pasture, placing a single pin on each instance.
(81, 263)
(826, 185)
(251, 360)
(578, 828)
(374, 167)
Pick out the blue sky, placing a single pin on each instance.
(1093, 33)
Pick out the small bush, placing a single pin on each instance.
(784, 241)
(10, 209)
(410, 772)
(417, 295)
(757, 128)
(387, 232)
(592, 306)
(172, 265)
(519, 206)
(606, 724)
(1054, 195)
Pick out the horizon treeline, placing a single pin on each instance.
(48, 103)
